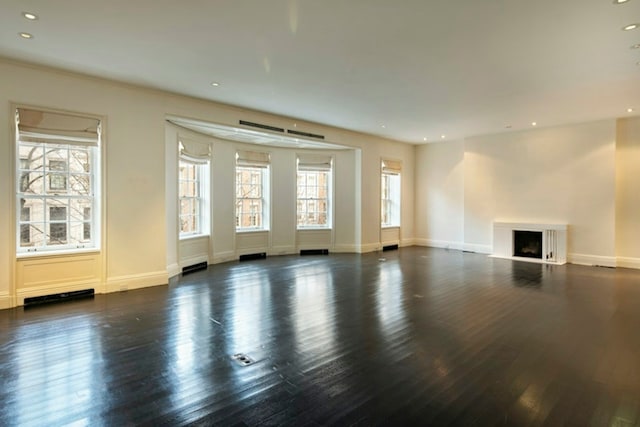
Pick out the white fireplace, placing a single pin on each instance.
(531, 242)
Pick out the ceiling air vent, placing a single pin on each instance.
(307, 134)
(261, 126)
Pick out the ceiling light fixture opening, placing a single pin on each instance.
(443, 136)
(630, 27)
(215, 84)
(619, 1)
(26, 35)
(636, 46)
(629, 110)
(30, 16)
(534, 123)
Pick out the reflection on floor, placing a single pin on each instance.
(420, 336)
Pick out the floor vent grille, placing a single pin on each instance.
(314, 252)
(62, 296)
(249, 257)
(390, 248)
(242, 359)
(195, 267)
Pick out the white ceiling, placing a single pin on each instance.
(421, 68)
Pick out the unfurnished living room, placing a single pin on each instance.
(320, 213)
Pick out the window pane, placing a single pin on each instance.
(80, 184)
(313, 196)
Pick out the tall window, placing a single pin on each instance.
(390, 194)
(193, 178)
(57, 190)
(314, 192)
(252, 191)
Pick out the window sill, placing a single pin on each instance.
(54, 254)
(314, 228)
(389, 226)
(193, 237)
(252, 230)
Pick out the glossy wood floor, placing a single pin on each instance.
(411, 337)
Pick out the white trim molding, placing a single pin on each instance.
(5, 301)
(173, 270)
(443, 244)
(282, 250)
(407, 242)
(345, 249)
(369, 247)
(626, 262)
(477, 248)
(592, 260)
(220, 257)
(137, 281)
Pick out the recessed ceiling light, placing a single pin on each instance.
(636, 46)
(629, 110)
(619, 1)
(30, 16)
(383, 126)
(630, 27)
(443, 136)
(424, 139)
(26, 35)
(215, 84)
(534, 124)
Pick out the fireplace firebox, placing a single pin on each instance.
(527, 244)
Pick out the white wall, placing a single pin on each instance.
(552, 175)
(136, 226)
(628, 193)
(440, 195)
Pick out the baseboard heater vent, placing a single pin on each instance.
(261, 126)
(307, 134)
(249, 257)
(390, 248)
(314, 252)
(62, 296)
(195, 267)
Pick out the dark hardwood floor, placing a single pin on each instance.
(411, 337)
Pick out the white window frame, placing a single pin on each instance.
(46, 197)
(308, 170)
(390, 201)
(200, 199)
(249, 161)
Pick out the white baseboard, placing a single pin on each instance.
(594, 260)
(344, 249)
(481, 249)
(282, 250)
(192, 260)
(137, 281)
(5, 301)
(627, 262)
(444, 244)
(407, 242)
(220, 257)
(369, 247)
(173, 270)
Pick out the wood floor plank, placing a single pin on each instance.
(416, 336)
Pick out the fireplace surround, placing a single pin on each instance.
(531, 242)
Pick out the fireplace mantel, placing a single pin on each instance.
(554, 241)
